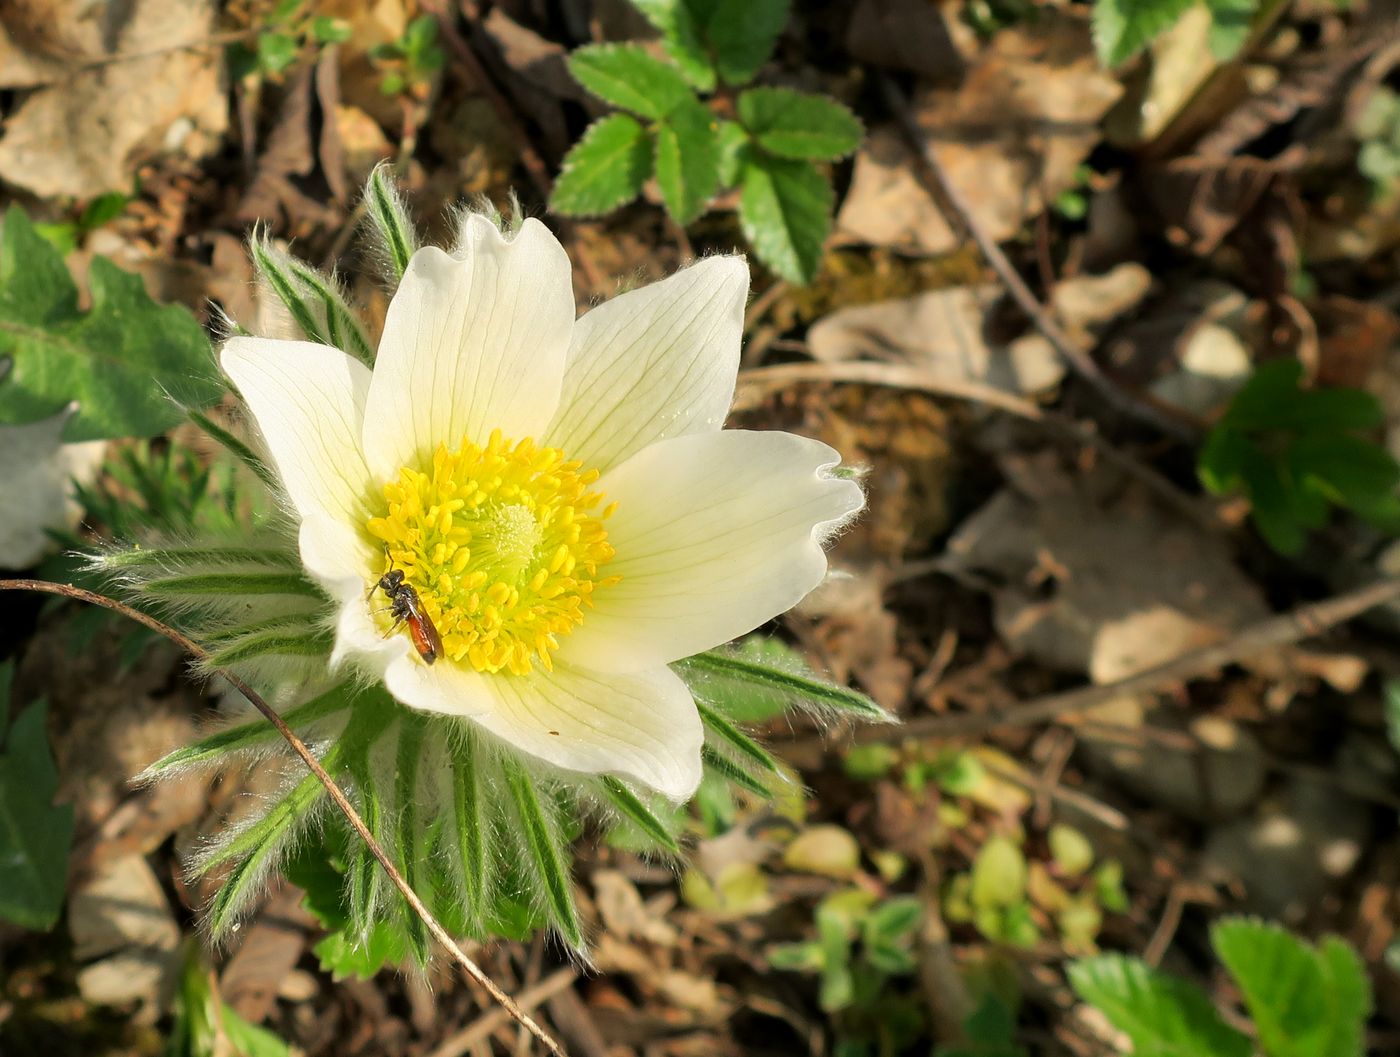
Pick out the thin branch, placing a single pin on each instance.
(960, 214)
(336, 794)
(1281, 630)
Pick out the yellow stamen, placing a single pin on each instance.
(503, 543)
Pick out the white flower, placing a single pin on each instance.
(559, 494)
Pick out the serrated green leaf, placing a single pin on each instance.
(35, 834)
(799, 125)
(1355, 473)
(118, 360)
(742, 34)
(785, 210)
(682, 24)
(687, 160)
(734, 146)
(345, 956)
(1162, 1015)
(1304, 1002)
(1122, 28)
(546, 859)
(641, 816)
(605, 169)
(629, 76)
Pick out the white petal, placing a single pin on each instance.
(653, 363)
(309, 402)
(471, 344)
(643, 725)
(343, 562)
(715, 533)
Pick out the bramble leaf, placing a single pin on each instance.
(799, 125)
(1305, 1001)
(605, 169)
(682, 24)
(1162, 1015)
(34, 832)
(742, 34)
(687, 160)
(629, 76)
(785, 210)
(123, 360)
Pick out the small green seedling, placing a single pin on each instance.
(1296, 453)
(690, 121)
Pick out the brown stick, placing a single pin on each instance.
(942, 190)
(1281, 630)
(439, 933)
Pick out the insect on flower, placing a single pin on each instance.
(407, 608)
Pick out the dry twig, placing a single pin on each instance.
(956, 209)
(474, 971)
(1281, 630)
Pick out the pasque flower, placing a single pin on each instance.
(558, 493)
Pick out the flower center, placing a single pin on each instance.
(502, 543)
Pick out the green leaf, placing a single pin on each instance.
(998, 874)
(734, 149)
(123, 360)
(276, 51)
(894, 920)
(328, 30)
(343, 955)
(1071, 850)
(785, 210)
(682, 24)
(1231, 22)
(629, 76)
(35, 834)
(1273, 399)
(1392, 713)
(547, 859)
(799, 125)
(631, 807)
(728, 677)
(742, 34)
(1162, 1015)
(687, 160)
(1122, 28)
(1304, 1002)
(605, 169)
(314, 642)
(1354, 472)
(246, 455)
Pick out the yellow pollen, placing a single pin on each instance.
(503, 543)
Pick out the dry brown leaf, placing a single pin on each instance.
(84, 134)
(911, 35)
(1009, 137)
(1081, 559)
